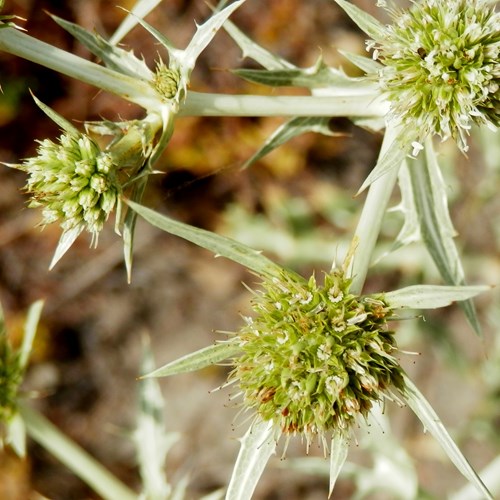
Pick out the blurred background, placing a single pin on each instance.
(297, 205)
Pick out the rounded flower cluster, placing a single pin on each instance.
(315, 357)
(441, 67)
(166, 81)
(74, 181)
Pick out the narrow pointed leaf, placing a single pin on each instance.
(30, 327)
(367, 64)
(392, 158)
(128, 230)
(338, 456)
(203, 36)
(318, 76)
(113, 57)
(140, 10)
(254, 51)
(15, 435)
(220, 245)
(289, 130)
(151, 440)
(172, 50)
(424, 411)
(367, 23)
(67, 239)
(196, 360)
(56, 117)
(257, 446)
(431, 296)
(436, 230)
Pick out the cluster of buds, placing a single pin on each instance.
(74, 181)
(166, 81)
(314, 357)
(442, 67)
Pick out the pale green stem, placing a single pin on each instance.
(27, 47)
(368, 228)
(201, 104)
(75, 458)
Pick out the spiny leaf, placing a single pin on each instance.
(113, 57)
(318, 76)
(424, 411)
(338, 455)
(367, 64)
(431, 296)
(289, 130)
(196, 360)
(391, 156)
(220, 245)
(140, 10)
(254, 51)
(373, 28)
(257, 446)
(436, 230)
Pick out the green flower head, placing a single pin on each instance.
(166, 81)
(441, 69)
(74, 181)
(315, 357)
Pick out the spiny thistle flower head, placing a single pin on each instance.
(166, 81)
(441, 67)
(74, 181)
(315, 357)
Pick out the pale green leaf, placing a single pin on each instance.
(254, 51)
(220, 245)
(15, 435)
(338, 455)
(491, 477)
(431, 296)
(391, 157)
(424, 411)
(140, 10)
(367, 64)
(120, 60)
(317, 76)
(289, 130)
(30, 327)
(65, 241)
(367, 23)
(257, 446)
(197, 360)
(436, 230)
(151, 440)
(56, 117)
(128, 229)
(410, 231)
(204, 35)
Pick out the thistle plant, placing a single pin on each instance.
(317, 356)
